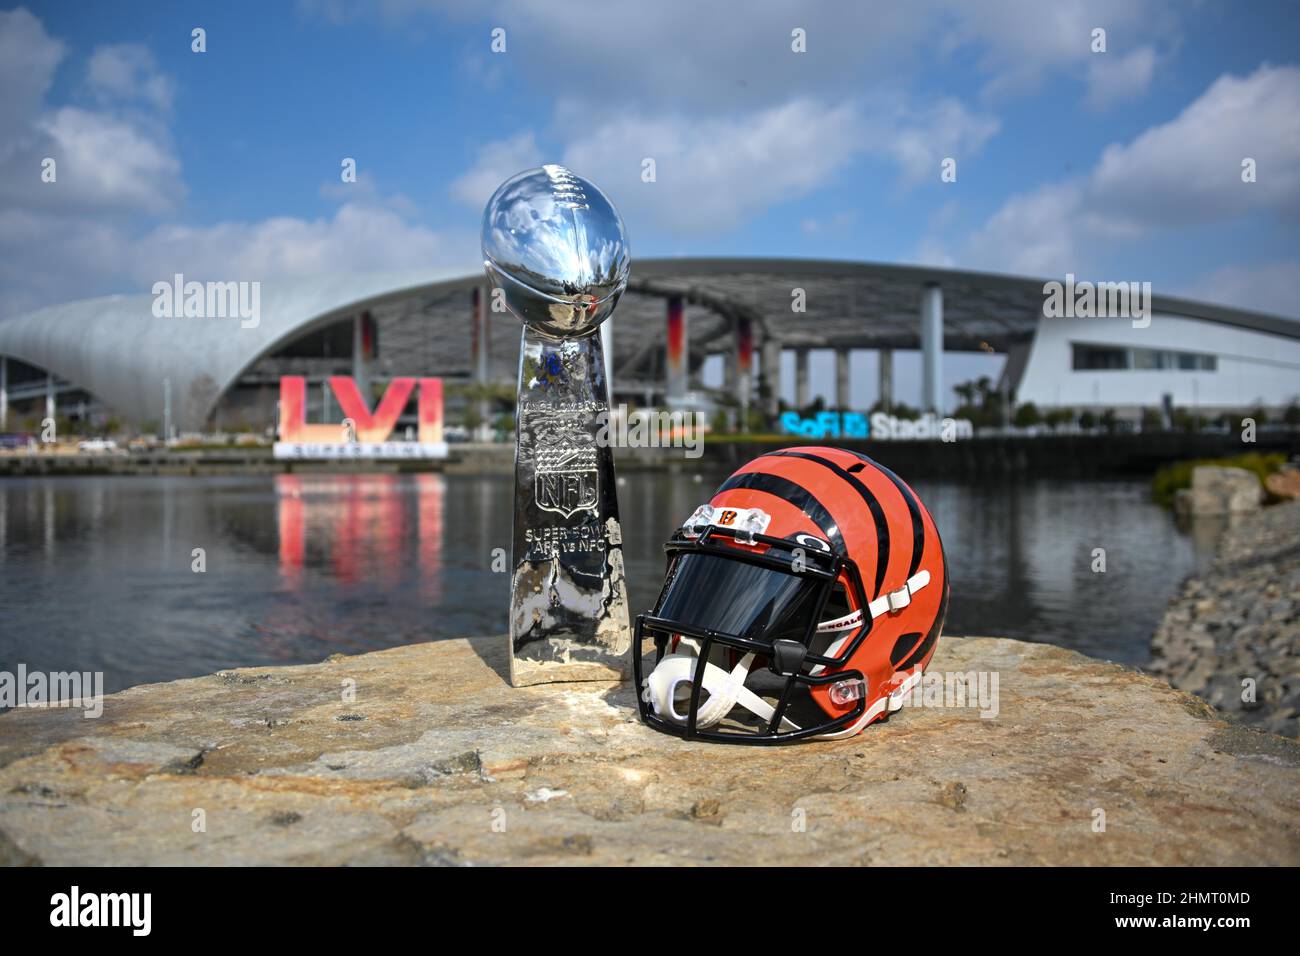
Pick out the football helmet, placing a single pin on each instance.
(803, 601)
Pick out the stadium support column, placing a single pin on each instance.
(167, 409)
(4, 393)
(801, 378)
(744, 366)
(772, 376)
(480, 353)
(51, 407)
(932, 348)
(886, 357)
(678, 349)
(842, 379)
(362, 351)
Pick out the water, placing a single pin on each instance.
(98, 573)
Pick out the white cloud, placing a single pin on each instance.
(496, 162)
(96, 230)
(105, 162)
(720, 57)
(358, 238)
(1019, 43)
(1266, 287)
(28, 58)
(918, 138)
(1035, 233)
(48, 258)
(1113, 78)
(1177, 174)
(713, 173)
(104, 159)
(125, 72)
(1189, 169)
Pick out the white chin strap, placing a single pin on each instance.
(727, 689)
(885, 604)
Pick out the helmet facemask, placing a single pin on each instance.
(744, 629)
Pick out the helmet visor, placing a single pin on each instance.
(710, 592)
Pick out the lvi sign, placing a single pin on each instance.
(362, 433)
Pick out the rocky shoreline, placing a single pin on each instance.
(1239, 622)
(425, 755)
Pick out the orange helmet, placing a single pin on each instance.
(804, 600)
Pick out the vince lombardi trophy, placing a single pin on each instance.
(556, 254)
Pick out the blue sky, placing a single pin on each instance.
(225, 164)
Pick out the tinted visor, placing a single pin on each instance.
(709, 592)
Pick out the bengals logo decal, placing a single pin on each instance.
(727, 518)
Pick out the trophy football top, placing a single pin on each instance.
(556, 246)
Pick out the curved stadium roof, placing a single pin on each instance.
(115, 347)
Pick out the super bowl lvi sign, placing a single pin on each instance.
(362, 433)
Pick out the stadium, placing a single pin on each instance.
(145, 362)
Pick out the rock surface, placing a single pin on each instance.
(1233, 633)
(437, 761)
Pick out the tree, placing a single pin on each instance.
(1087, 421)
(1058, 417)
(1027, 416)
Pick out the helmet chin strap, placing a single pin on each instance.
(885, 604)
(726, 689)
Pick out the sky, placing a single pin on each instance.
(1122, 164)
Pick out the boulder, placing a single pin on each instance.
(1217, 490)
(424, 755)
(1284, 483)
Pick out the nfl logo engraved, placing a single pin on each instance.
(566, 479)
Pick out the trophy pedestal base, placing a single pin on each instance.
(529, 673)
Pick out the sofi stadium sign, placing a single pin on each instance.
(362, 433)
(879, 425)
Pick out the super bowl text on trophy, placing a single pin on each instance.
(556, 254)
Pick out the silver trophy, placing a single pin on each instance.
(555, 250)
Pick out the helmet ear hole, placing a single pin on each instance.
(837, 602)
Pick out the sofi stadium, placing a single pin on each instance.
(157, 361)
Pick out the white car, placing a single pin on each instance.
(97, 445)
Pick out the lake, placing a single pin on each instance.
(98, 573)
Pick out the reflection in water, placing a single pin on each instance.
(95, 573)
